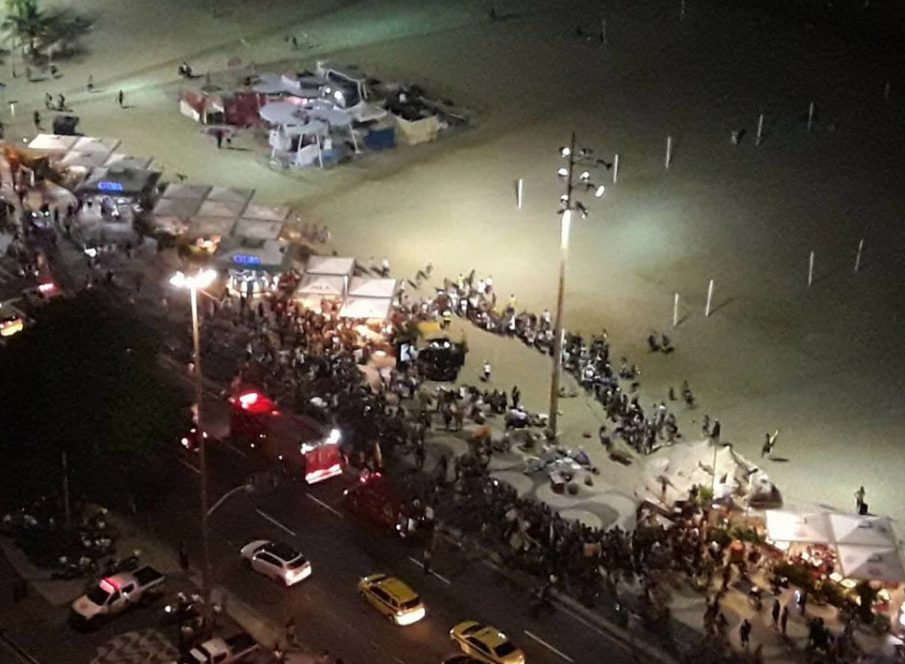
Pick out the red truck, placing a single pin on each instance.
(306, 448)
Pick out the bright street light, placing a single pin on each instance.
(202, 279)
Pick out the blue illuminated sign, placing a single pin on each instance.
(110, 186)
(245, 259)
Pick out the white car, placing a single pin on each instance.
(276, 560)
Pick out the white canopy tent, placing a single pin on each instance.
(259, 212)
(369, 308)
(335, 119)
(320, 285)
(127, 161)
(281, 113)
(372, 287)
(84, 161)
(104, 146)
(53, 142)
(793, 527)
(257, 229)
(871, 563)
(862, 530)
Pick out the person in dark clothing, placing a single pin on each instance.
(183, 557)
(775, 613)
(784, 620)
(744, 633)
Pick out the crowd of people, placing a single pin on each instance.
(318, 363)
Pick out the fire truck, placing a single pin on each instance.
(304, 447)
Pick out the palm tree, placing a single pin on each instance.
(28, 23)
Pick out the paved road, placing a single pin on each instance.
(326, 608)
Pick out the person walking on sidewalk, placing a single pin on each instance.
(784, 620)
(183, 558)
(744, 633)
(291, 638)
(775, 613)
(859, 499)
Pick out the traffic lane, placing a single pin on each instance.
(327, 608)
(463, 589)
(365, 550)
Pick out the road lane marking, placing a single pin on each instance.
(548, 646)
(432, 572)
(399, 660)
(190, 466)
(586, 622)
(265, 515)
(236, 450)
(325, 505)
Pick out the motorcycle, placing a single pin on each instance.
(185, 611)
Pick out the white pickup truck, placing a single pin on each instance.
(221, 651)
(114, 594)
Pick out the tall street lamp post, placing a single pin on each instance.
(576, 156)
(202, 279)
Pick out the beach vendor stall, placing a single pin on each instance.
(253, 265)
(369, 299)
(117, 195)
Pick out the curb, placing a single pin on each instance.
(628, 638)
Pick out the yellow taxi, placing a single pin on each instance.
(485, 643)
(392, 598)
(12, 321)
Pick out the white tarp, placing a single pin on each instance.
(228, 209)
(202, 226)
(372, 287)
(281, 113)
(122, 160)
(177, 207)
(322, 285)
(53, 142)
(94, 145)
(863, 530)
(230, 195)
(83, 160)
(313, 128)
(181, 190)
(871, 563)
(334, 117)
(261, 212)
(335, 265)
(794, 527)
(258, 230)
(366, 307)
(365, 112)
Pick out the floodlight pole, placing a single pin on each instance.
(565, 222)
(194, 283)
(202, 454)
